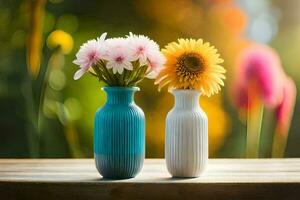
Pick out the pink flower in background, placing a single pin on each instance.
(118, 55)
(141, 46)
(284, 111)
(258, 84)
(89, 54)
(240, 94)
(258, 73)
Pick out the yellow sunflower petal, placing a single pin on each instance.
(192, 64)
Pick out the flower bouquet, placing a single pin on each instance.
(122, 62)
(119, 129)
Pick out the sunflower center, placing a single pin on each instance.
(192, 62)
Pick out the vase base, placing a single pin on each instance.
(119, 167)
(184, 173)
(185, 176)
(115, 177)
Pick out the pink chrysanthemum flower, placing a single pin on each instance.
(141, 47)
(89, 54)
(118, 55)
(284, 111)
(258, 73)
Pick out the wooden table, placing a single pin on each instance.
(76, 179)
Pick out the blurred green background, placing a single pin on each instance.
(60, 122)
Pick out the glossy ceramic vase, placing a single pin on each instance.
(119, 134)
(186, 148)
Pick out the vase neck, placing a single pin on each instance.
(120, 95)
(186, 99)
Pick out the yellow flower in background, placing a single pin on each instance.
(216, 115)
(192, 64)
(35, 36)
(62, 39)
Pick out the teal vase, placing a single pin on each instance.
(119, 134)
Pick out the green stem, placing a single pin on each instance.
(99, 74)
(138, 75)
(254, 123)
(107, 74)
(126, 77)
(45, 78)
(121, 79)
(32, 130)
(34, 102)
(279, 144)
(93, 74)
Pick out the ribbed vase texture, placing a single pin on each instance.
(119, 135)
(186, 148)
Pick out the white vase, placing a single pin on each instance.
(186, 148)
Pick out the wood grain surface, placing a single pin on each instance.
(78, 179)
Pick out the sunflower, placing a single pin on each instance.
(192, 64)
